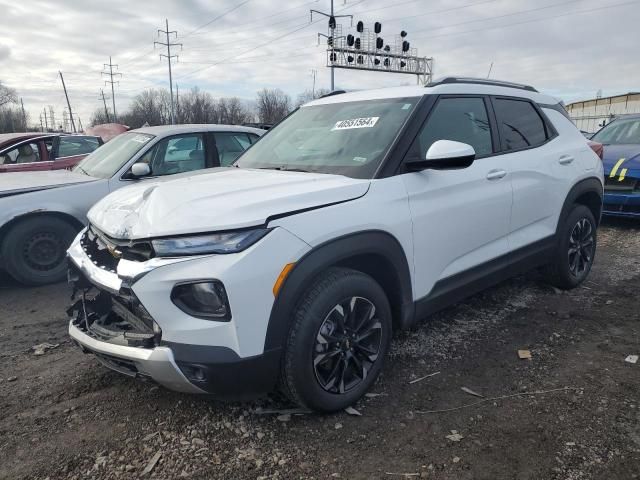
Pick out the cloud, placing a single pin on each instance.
(557, 47)
(5, 52)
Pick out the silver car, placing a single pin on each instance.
(41, 212)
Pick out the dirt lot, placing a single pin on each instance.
(62, 415)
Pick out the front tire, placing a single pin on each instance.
(575, 250)
(340, 336)
(34, 250)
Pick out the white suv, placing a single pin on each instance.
(358, 214)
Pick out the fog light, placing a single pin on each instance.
(206, 300)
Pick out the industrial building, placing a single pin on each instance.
(591, 115)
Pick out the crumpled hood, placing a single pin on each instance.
(221, 199)
(22, 182)
(613, 153)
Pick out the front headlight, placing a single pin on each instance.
(230, 242)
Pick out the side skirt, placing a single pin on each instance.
(450, 290)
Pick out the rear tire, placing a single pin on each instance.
(575, 250)
(340, 336)
(34, 250)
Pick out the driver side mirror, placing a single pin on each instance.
(444, 155)
(140, 169)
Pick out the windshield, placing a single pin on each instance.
(619, 132)
(109, 158)
(341, 138)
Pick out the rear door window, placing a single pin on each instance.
(230, 145)
(520, 124)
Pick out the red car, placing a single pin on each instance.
(21, 152)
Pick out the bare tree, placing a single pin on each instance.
(99, 117)
(7, 95)
(197, 107)
(272, 105)
(231, 111)
(309, 95)
(149, 107)
(12, 120)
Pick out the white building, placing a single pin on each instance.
(590, 115)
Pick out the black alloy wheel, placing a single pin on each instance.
(337, 342)
(581, 247)
(575, 249)
(347, 345)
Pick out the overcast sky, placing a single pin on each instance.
(569, 49)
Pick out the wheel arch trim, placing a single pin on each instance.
(591, 185)
(332, 253)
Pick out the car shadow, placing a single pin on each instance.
(621, 222)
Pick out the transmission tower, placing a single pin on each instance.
(168, 56)
(52, 117)
(111, 74)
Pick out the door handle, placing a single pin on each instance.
(565, 160)
(496, 174)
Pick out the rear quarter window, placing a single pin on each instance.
(520, 124)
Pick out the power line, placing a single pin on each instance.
(521, 12)
(168, 56)
(261, 45)
(112, 82)
(261, 22)
(216, 18)
(575, 12)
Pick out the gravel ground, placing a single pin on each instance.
(571, 412)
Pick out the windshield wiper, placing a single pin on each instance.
(82, 169)
(285, 169)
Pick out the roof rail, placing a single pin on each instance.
(330, 94)
(481, 81)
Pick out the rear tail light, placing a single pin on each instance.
(597, 147)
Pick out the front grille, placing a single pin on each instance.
(120, 319)
(106, 252)
(614, 185)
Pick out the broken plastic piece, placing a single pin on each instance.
(524, 354)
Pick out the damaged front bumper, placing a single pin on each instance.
(108, 321)
(156, 363)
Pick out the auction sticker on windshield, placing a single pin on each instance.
(364, 122)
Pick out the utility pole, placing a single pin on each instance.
(24, 115)
(80, 123)
(65, 121)
(46, 125)
(112, 82)
(104, 101)
(168, 56)
(331, 38)
(68, 103)
(314, 72)
(41, 125)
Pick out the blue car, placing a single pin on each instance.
(621, 157)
